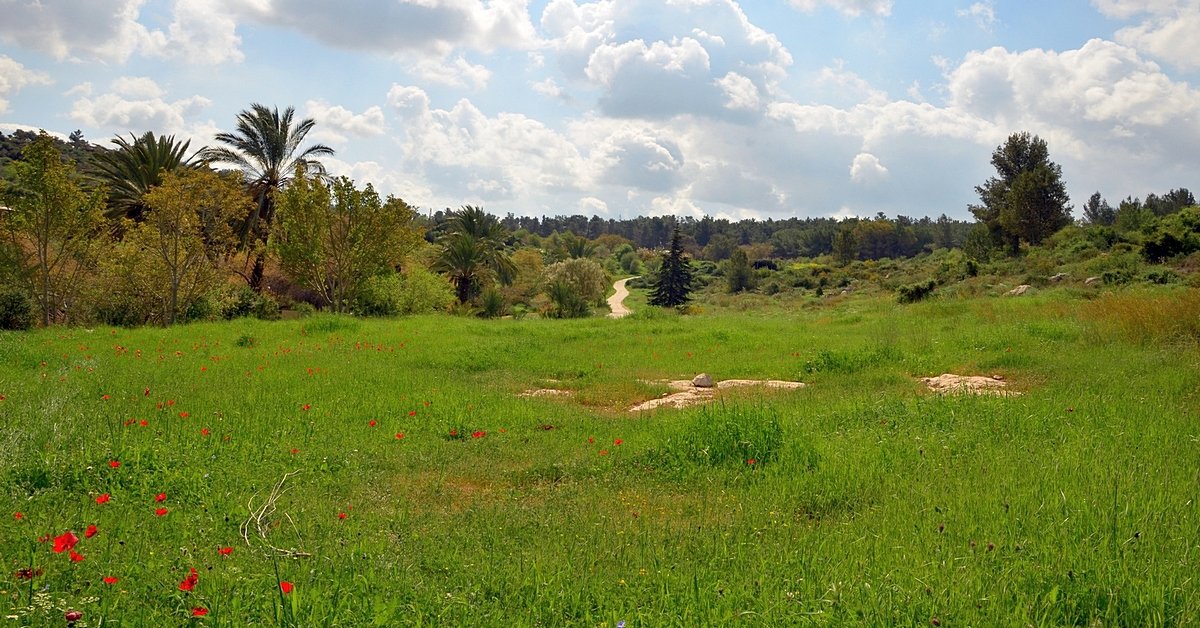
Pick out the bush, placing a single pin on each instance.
(16, 310)
(915, 292)
(582, 276)
(416, 291)
(567, 302)
(491, 303)
(241, 301)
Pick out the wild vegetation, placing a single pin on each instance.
(347, 467)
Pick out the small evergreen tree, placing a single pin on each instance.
(673, 285)
(740, 274)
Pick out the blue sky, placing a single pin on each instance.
(637, 107)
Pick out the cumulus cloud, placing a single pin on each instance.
(456, 73)
(75, 28)
(853, 8)
(866, 169)
(1167, 30)
(135, 105)
(740, 92)
(335, 122)
(14, 76)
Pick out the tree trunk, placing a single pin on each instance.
(256, 275)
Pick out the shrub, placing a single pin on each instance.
(582, 276)
(491, 303)
(567, 302)
(16, 310)
(415, 291)
(241, 301)
(915, 292)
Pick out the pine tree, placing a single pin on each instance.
(673, 286)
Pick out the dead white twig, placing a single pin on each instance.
(259, 520)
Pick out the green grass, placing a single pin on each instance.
(872, 502)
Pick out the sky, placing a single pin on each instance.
(620, 108)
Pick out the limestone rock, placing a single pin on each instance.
(702, 381)
(1019, 290)
(1091, 281)
(1059, 277)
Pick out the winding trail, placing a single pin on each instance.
(616, 302)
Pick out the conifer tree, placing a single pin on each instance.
(673, 286)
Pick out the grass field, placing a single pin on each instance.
(386, 472)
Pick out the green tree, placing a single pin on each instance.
(583, 278)
(672, 286)
(1028, 201)
(186, 234)
(266, 148)
(1098, 212)
(52, 231)
(845, 245)
(332, 238)
(740, 275)
(472, 250)
(135, 167)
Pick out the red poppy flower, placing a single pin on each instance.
(105, 397)
(143, 423)
(399, 435)
(225, 551)
(603, 452)
(454, 432)
(618, 441)
(285, 586)
(73, 616)
(189, 582)
(19, 515)
(160, 512)
(203, 368)
(111, 579)
(170, 402)
(102, 499)
(306, 407)
(184, 415)
(114, 463)
(295, 451)
(161, 497)
(751, 461)
(76, 557)
(371, 423)
(90, 531)
(412, 413)
(341, 515)
(64, 542)
(199, 611)
(478, 434)
(591, 440)
(204, 431)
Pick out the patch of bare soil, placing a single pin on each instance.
(950, 384)
(688, 394)
(545, 392)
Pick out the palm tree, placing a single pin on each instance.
(266, 148)
(135, 167)
(473, 248)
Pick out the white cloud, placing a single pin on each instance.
(740, 92)
(75, 28)
(136, 105)
(866, 169)
(983, 13)
(853, 8)
(335, 122)
(1167, 30)
(456, 73)
(549, 88)
(14, 76)
(202, 32)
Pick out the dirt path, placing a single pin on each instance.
(617, 301)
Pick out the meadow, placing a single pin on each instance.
(334, 471)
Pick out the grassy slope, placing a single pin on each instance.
(1076, 501)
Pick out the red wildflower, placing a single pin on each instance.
(399, 435)
(306, 407)
(161, 497)
(341, 515)
(295, 451)
(618, 441)
(412, 413)
(454, 432)
(478, 434)
(184, 415)
(19, 515)
(114, 463)
(129, 422)
(225, 551)
(189, 582)
(203, 368)
(104, 397)
(76, 557)
(591, 440)
(199, 611)
(160, 512)
(64, 542)
(204, 431)
(90, 531)
(603, 452)
(285, 586)
(146, 393)
(371, 423)
(143, 423)
(111, 579)
(103, 499)
(73, 616)
(751, 461)
(170, 402)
